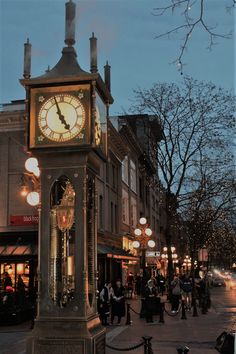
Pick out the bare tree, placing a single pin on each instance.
(194, 16)
(197, 121)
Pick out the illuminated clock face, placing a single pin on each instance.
(61, 117)
(97, 128)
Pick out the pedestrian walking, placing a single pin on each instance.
(204, 294)
(104, 303)
(187, 291)
(7, 282)
(161, 283)
(130, 285)
(138, 281)
(20, 290)
(118, 302)
(150, 297)
(175, 293)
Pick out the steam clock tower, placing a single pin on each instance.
(67, 110)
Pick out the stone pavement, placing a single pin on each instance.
(198, 333)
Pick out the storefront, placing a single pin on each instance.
(18, 257)
(114, 263)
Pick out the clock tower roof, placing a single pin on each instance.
(67, 70)
(66, 67)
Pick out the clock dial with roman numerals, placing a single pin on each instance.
(61, 117)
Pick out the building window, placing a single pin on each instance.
(147, 195)
(133, 177)
(100, 212)
(140, 188)
(112, 218)
(153, 223)
(116, 219)
(125, 170)
(125, 207)
(107, 172)
(113, 176)
(153, 202)
(133, 212)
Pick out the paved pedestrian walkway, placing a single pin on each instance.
(198, 333)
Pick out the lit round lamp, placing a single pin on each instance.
(24, 191)
(172, 248)
(174, 255)
(36, 171)
(165, 249)
(148, 232)
(163, 256)
(33, 198)
(143, 221)
(136, 244)
(31, 164)
(137, 232)
(151, 243)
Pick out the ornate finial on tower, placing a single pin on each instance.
(70, 23)
(107, 76)
(27, 59)
(93, 54)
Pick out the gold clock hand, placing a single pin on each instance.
(61, 117)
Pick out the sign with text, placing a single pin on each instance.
(152, 254)
(24, 220)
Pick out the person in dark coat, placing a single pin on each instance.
(104, 303)
(160, 279)
(138, 281)
(7, 281)
(150, 295)
(176, 291)
(20, 290)
(118, 302)
(187, 285)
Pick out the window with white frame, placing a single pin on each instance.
(125, 170)
(125, 207)
(133, 212)
(133, 176)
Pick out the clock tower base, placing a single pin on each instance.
(67, 336)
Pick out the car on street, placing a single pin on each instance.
(218, 282)
(232, 282)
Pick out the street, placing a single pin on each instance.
(198, 333)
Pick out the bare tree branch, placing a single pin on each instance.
(189, 25)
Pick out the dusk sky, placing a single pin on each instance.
(125, 32)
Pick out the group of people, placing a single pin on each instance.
(111, 303)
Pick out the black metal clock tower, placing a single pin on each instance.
(67, 110)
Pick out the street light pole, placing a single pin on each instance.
(142, 241)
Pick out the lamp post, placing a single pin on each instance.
(30, 184)
(187, 263)
(174, 256)
(142, 241)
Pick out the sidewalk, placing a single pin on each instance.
(198, 333)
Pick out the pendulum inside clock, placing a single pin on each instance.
(62, 242)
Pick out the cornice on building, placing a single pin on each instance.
(116, 143)
(13, 121)
(130, 138)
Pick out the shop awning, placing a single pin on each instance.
(22, 250)
(114, 252)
